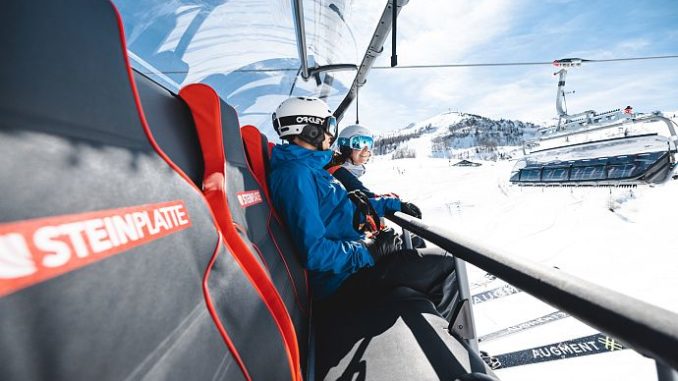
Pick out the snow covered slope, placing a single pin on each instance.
(623, 239)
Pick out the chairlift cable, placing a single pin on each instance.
(491, 64)
(487, 64)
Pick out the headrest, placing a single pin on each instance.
(64, 71)
(233, 144)
(256, 146)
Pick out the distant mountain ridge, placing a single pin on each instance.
(456, 135)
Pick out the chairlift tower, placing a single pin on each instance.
(590, 120)
(561, 107)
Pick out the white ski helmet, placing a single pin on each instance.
(296, 113)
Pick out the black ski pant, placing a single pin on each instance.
(429, 271)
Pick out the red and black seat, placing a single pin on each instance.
(242, 207)
(111, 265)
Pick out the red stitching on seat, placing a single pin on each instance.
(252, 141)
(215, 316)
(206, 109)
(297, 299)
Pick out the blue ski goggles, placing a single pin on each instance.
(331, 126)
(357, 142)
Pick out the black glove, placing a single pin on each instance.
(384, 244)
(411, 209)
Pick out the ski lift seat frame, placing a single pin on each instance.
(641, 168)
(318, 344)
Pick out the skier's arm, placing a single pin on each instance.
(385, 205)
(351, 182)
(300, 210)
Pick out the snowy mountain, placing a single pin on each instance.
(457, 135)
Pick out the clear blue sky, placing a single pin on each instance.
(456, 31)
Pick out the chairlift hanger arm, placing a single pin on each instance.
(374, 49)
(394, 25)
(300, 31)
(334, 67)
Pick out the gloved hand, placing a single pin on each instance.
(384, 244)
(411, 209)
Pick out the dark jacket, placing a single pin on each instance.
(319, 215)
(350, 181)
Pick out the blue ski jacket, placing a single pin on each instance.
(319, 216)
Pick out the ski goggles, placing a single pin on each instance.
(357, 142)
(328, 124)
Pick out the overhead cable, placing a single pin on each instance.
(435, 66)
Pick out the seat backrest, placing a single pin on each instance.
(242, 206)
(258, 151)
(111, 266)
(172, 126)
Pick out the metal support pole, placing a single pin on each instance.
(561, 94)
(300, 31)
(465, 294)
(407, 239)
(469, 329)
(394, 56)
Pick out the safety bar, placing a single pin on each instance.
(645, 118)
(648, 329)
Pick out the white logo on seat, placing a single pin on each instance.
(35, 250)
(249, 198)
(15, 258)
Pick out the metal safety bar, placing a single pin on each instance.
(643, 118)
(648, 329)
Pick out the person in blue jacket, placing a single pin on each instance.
(319, 214)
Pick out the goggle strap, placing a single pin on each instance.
(323, 123)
